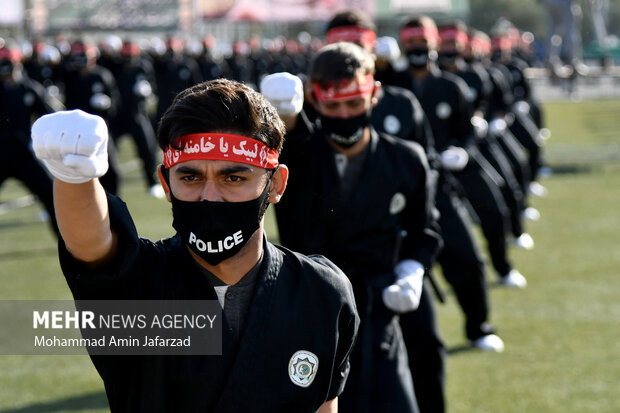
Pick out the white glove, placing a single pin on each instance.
(285, 91)
(481, 127)
(386, 48)
(497, 126)
(404, 295)
(73, 145)
(454, 158)
(100, 101)
(142, 88)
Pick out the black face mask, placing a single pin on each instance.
(345, 132)
(216, 231)
(418, 58)
(6, 67)
(77, 62)
(447, 59)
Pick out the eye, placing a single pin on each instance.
(189, 178)
(235, 178)
(330, 106)
(357, 103)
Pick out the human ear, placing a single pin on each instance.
(278, 184)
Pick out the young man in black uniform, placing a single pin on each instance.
(398, 112)
(174, 72)
(453, 43)
(92, 88)
(365, 200)
(442, 96)
(135, 82)
(20, 99)
(276, 302)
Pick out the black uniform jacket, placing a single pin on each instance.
(19, 101)
(300, 303)
(400, 114)
(443, 98)
(388, 216)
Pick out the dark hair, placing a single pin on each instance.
(340, 61)
(418, 21)
(224, 106)
(456, 24)
(352, 17)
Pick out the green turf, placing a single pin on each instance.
(561, 333)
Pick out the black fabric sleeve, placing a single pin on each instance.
(348, 326)
(347, 334)
(115, 280)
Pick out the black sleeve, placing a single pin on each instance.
(118, 278)
(422, 241)
(348, 325)
(44, 103)
(347, 334)
(464, 112)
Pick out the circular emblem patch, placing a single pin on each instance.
(397, 203)
(302, 368)
(443, 110)
(391, 124)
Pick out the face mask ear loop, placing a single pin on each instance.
(267, 188)
(164, 173)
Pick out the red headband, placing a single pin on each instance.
(353, 34)
(14, 55)
(501, 43)
(452, 33)
(479, 44)
(345, 90)
(221, 147)
(428, 33)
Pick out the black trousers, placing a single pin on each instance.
(462, 264)
(526, 132)
(17, 161)
(426, 354)
(139, 127)
(379, 380)
(517, 156)
(485, 197)
(511, 190)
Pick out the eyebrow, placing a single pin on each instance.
(181, 170)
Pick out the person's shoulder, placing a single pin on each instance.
(398, 92)
(408, 149)
(454, 79)
(316, 270)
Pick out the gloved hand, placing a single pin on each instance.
(386, 48)
(454, 158)
(404, 295)
(497, 126)
(73, 145)
(284, 91)
(142, 88)
(481, 126)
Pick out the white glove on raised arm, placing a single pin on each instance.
(404, 295)
(386, 48)
(454, 158)
(73, 145)
(285, 92)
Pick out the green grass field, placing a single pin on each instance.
(562, 333)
